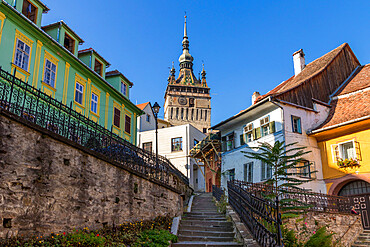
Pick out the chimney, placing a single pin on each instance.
(255, 95)
(298, 60)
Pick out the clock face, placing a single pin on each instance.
(182, 101)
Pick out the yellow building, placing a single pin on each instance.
(344, 142)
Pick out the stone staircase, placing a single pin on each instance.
(204, 226)
(363, 239)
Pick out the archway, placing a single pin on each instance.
(355, 188)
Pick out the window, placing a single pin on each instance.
(265, 128)
(248, 172)
(191, 102)
(228, 142)
(296, 125)
(148, 146)
(94, 103)
(195, 142)
(69, 43)
(305, 169)
(123, 88)
(266, 171)
(117, 117)
(98, 67)
(204, 130)
(79, 93)
(148, 118)
(248, 132)
(22, 55)
(29, 11)
(242, 142)
(128, 124)
(346, 150)
(176, 144)
(231, 174)
(49, 73)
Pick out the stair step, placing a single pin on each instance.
(203, 218)
(210, 215)
(207, 233)
(207, 228)
(205, 238)
(210, 223)
(205, 244)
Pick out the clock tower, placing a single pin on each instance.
(187, 98)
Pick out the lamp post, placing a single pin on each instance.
(155, 109)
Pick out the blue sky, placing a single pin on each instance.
(246, 46)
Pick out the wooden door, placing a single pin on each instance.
(362, 205)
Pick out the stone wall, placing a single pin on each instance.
(49, 185)
(346, 227)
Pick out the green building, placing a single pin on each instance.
(48, 59)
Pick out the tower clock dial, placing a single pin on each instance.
(182, 101)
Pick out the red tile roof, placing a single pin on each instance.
(143, 105)
(309, 71)
(352, 101)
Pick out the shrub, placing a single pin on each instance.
(290, 238)
(321, 238)
(221, 205)
(155, 238)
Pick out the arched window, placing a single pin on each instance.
(355, 188)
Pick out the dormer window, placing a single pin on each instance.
(124, 88)
(69, 43)
(98, 68)
(29, 10)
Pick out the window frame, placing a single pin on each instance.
(78, 91)
(248, 172)
(128, 124)
(123, 88)
(265, 174)
(22, 52)
(146, 145)
(231, 174)
(265, 126)
(36, 11)
(337, 150)
(72, 46)
(100, 72)
(176, 141)
(53, 61)
(248, 132)
(298, 128)
(94, 101)
(148, 118)
(114, 117)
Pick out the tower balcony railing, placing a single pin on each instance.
(36, 107)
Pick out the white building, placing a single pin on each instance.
(175, 143)
(146, 121)
(286, 113)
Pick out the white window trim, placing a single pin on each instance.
(22, 52)
(81, 92)
(51, 71)
(333, 146)
(94, 101)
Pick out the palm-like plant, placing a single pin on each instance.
(286, 163)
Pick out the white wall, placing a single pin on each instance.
(179, 159)
(142, 123)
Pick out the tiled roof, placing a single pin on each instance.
(352, 101)
(308, 72)
(116, 72)
(143, 105)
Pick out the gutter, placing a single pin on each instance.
(338, 125)
(72, 55)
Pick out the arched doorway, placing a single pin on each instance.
(359, 192)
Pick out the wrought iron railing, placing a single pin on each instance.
(317, 202)
(260, 215)
(217, 192)
(30, 103)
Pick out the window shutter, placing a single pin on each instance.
(263, 171)
(254, 134)
(258, 132)
(335, 152)
(272, 127)
(242, 142)
(358, 151)
(299, 126)
(223, 144)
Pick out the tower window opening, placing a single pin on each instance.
(177, 113)
(205, 115)
(187, 114)
(191, 102)
(201, 114)
(182, 113)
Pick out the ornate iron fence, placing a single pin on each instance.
(37, 107)
(318, 202)
(260, 215)
(217, 192)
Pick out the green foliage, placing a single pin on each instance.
(321, 238)
(155, 238)
(126, 234)
(221, 205)
(286, 163)
(289, 238)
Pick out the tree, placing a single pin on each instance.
(287, 165)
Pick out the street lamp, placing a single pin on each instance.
(155, 109)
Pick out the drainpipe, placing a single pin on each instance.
(15, 3)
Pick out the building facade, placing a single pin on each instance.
(48, 59)
(187, 98)
(286, 113)
(175, 143)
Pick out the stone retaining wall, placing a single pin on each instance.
(346, 227)
(47, 185)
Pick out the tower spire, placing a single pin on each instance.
(186, 60)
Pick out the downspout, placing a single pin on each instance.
(15, 3)
(58, 35)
